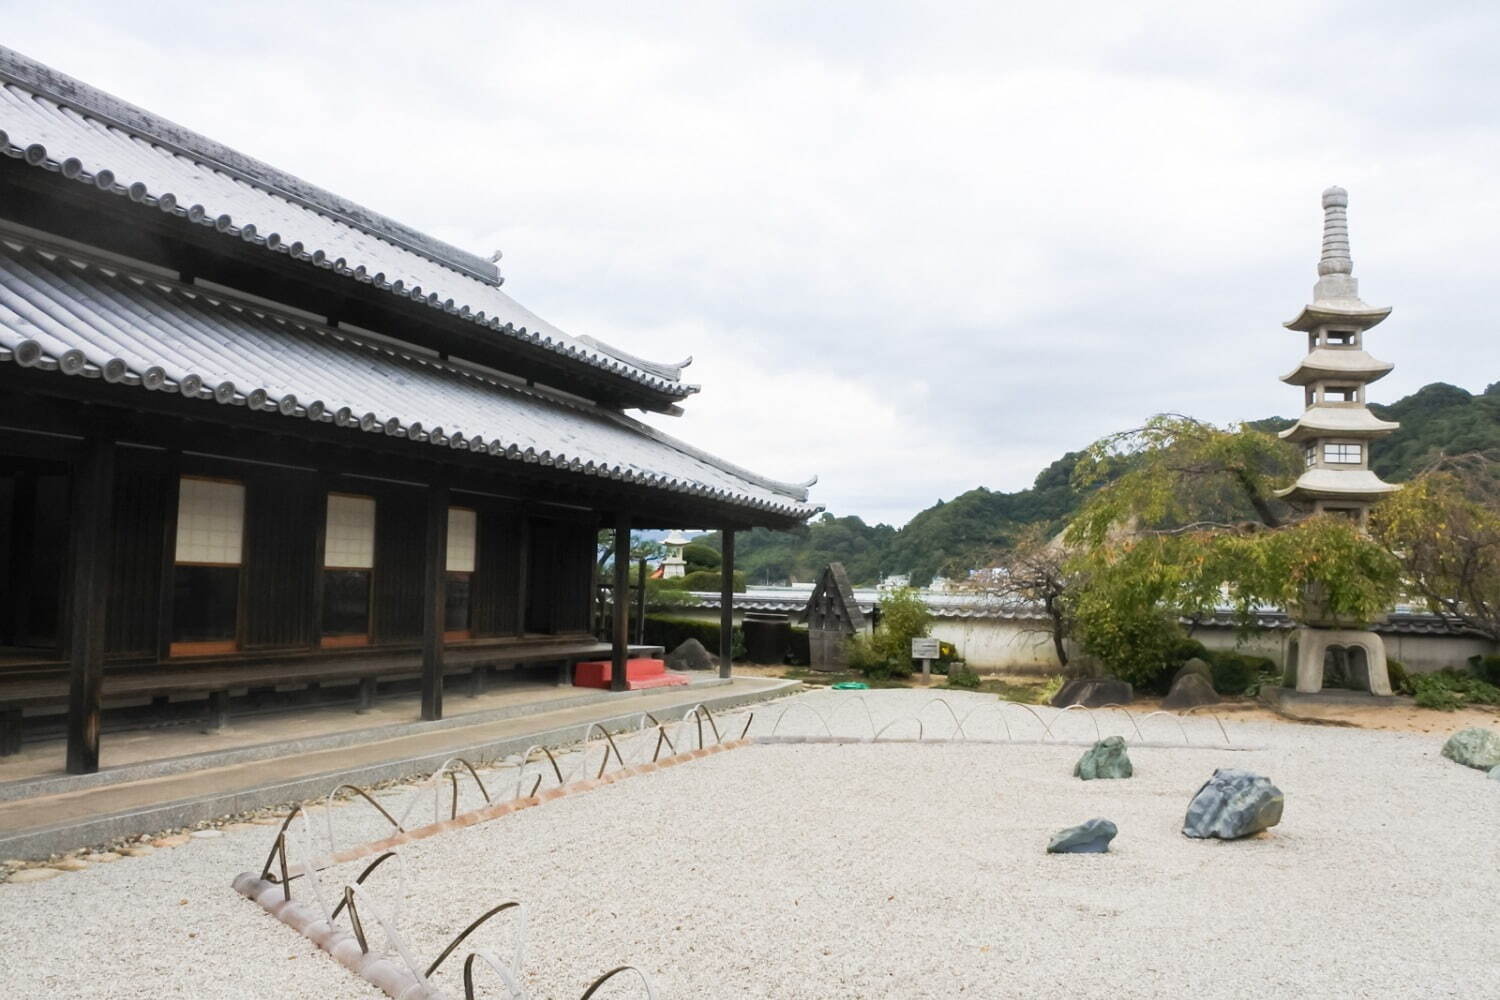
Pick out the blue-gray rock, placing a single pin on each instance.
(1474, 747)
(1233, 804)
(1092, 837)
(1495, 773)
(1105, 759)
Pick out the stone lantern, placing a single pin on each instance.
(1335, 432)
(674, 565)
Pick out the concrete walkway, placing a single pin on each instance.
(50, 814)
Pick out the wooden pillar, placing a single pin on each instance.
(434, 578)
(92, 538)
(171, 486)
(621, 618)
(640, 602)
(726, 605)
(523, 572)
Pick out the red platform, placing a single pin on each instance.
(639, 674)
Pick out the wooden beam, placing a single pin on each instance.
(92, 538)
(434, 579)
(621, 634)
(726, 604)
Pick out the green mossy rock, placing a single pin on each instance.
(1092, 837)
(1474, 747)
(1105, 759)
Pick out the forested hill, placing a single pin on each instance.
(954, 535)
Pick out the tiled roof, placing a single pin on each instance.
(56, 123)
(986, 607)
(63, 312)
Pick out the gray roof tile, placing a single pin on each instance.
(61, 311)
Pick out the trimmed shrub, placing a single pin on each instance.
(1447, 690)
(961, 676)
(672, 630)
(1400, 680)
(1237, 673)
(1486, 668)
(708, 580)
(699, 556)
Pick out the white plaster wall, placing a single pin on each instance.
(987, 644)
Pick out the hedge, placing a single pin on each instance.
(672, 631)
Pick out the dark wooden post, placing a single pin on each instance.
(726, 605)
(171, 486)
(523, 572)
(621, 620)
(434, 600)
(640, 602)
(92, 537)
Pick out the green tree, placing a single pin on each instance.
(1445, 527)
(902, 617)
(1189, 522)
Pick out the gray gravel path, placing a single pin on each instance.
(823, 871)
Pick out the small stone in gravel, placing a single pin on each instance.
(207, 834)
(34, 875)
(1474, 747)
(14, 863)
(71, 865)
(1233, 804)
(171, 840)
(138, 852)
(103, 857)
(1105, 759)
(1092, 837)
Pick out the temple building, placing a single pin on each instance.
(1335, 432)
(254, 436)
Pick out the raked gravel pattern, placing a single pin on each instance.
(855, 870)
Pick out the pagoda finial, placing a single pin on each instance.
(1336, 281)
(1335, 259)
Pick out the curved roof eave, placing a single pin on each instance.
(57, 123)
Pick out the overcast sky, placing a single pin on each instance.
(913, 248)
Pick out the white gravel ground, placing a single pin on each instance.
(898, 870)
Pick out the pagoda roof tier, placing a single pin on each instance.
(1341, 311)
(1338, 421)
(1333, 362)
(60, 125)
(1338, 484)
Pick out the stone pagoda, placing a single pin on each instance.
(1335, 432)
